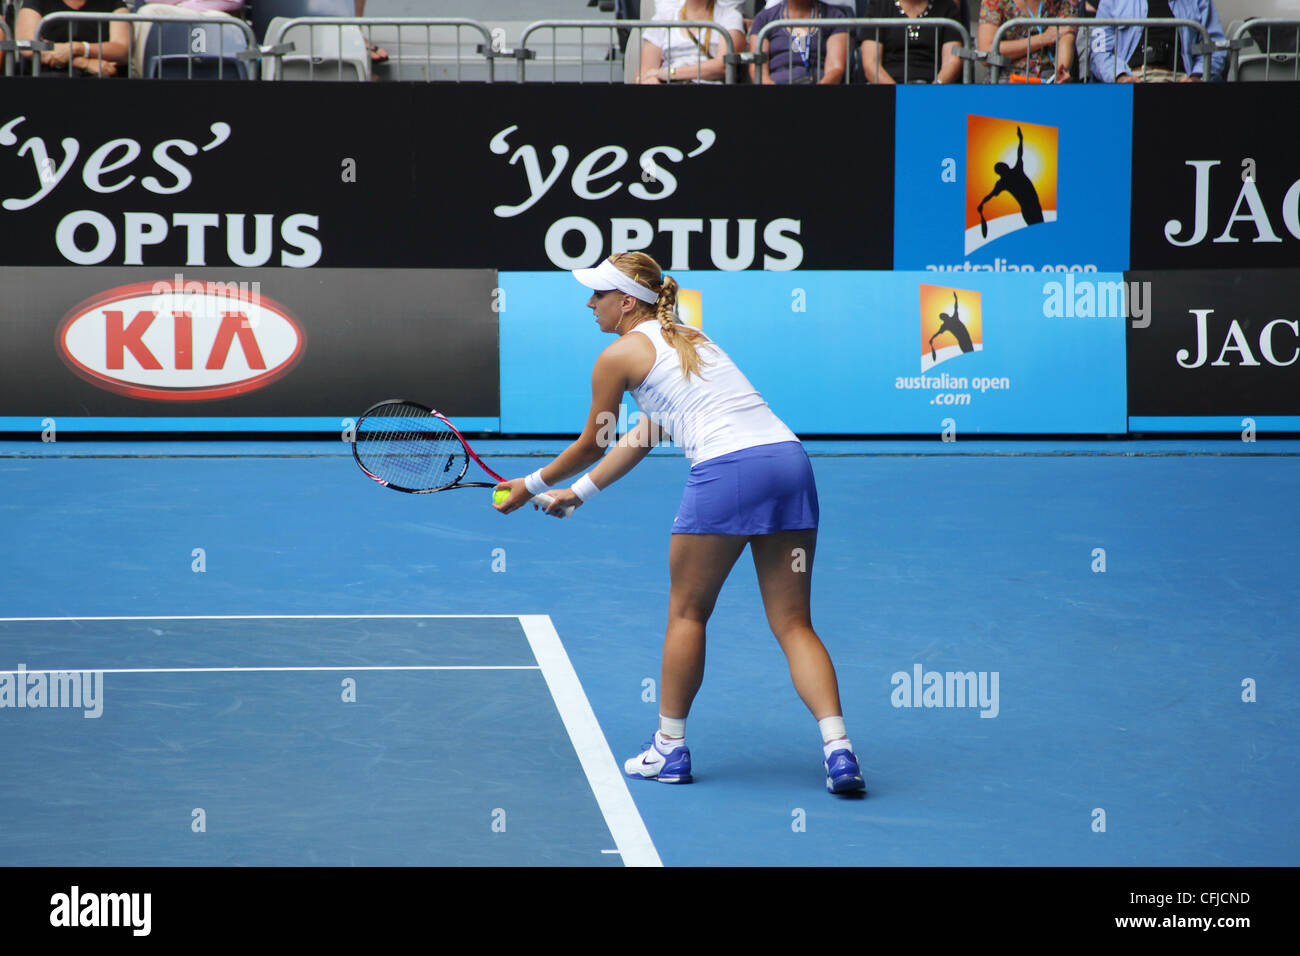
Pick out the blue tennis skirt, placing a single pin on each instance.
(756, 490)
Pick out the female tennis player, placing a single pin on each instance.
(750, 483)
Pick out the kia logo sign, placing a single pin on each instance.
(186, 342)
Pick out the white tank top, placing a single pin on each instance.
(710, 414)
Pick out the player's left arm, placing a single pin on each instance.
(626, 455)
(609, 379)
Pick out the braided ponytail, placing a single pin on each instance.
(643, 269)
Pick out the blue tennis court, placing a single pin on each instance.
(1049, 654)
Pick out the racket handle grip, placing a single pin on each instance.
(546, 501)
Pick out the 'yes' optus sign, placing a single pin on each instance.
(180, 342)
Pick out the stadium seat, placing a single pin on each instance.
(169, 49)
(1270, 54)
(320, 53)
(1252, 67)
(1275, 39)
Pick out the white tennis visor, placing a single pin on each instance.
(608, 276)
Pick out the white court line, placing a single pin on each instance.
(240, 670)
(607, 783)
(250, 617)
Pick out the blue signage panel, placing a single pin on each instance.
(1012, 178)
(854, 352)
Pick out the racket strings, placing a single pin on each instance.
(408, 446)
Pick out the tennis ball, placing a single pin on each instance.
(500, 496)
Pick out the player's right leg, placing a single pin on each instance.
(784, 561)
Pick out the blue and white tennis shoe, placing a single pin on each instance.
(654, 764)
(842, 773)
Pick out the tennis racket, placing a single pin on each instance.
(408, 447)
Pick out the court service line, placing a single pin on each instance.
(607, 783)
(254, 617)
(242, 670)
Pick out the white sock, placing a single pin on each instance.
(667, 745)
(834, 735)
(672, 726)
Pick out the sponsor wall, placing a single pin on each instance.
(376, 257)
(1215, 239)
(281, 348)
(482, 176)
(1227, 197)
(1006, 179)
(1220, 347)
(856, 352)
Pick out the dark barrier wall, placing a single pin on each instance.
(373, 219)
(447, 176)
(1216, 177)
(1220, 346)
(279, 342)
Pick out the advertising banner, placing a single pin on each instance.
(480, 176)
(854, 352)
(1220, 347)
(1012, 179)
(242, 345)
(1219, 196)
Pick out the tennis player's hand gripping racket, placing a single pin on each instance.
(408, 447)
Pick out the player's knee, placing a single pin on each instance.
(693, 612)
(792, 629)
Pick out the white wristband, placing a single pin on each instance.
(535, 484)
(585, 488)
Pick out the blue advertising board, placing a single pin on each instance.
(1012, 178)
(854, 352)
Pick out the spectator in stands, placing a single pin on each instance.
(908, 55)
(377, 53)
(817, 54)
(95, 48)
(1044, 54)
(848, 5)
(219, 6)
(684, 54)
(1127, 58)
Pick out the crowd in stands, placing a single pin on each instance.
(824, 52)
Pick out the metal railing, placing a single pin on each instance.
(50, 22)
(485, 52)
(612, 53)
(1247, 30)
(936, 24)
(996, 61)
(482, 58)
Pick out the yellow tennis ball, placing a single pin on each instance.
(500, 496)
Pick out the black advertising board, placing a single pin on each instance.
(1216, 177)
(246, 343)
(483, 176)
(1219, 343)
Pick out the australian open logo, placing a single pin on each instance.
(1011, 177)
(952, 324)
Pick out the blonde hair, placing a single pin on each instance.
(641, 268)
